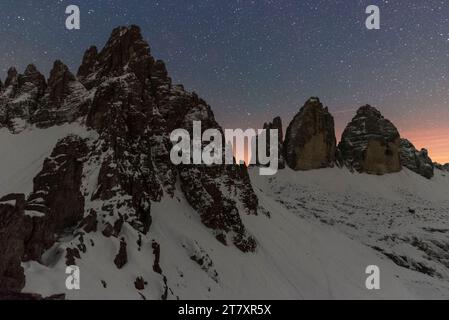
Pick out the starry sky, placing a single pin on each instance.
(253, 60)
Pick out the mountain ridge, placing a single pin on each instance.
(106, 188)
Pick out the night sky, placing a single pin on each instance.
(253, 60)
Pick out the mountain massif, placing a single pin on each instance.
(87, 180)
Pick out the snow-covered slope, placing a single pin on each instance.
(22, 155)
(403, 216)
(298, 256)
(101, 193)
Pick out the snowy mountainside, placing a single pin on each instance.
(87, 180)
(298, 257)
(403, 216)
(22, 154)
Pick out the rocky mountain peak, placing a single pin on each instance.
(21, 96)
(442, 167)
(59, 83)
(125, 52)
(87, 66)
(370, 143)
(134, 110)
(417, 161)
(369, 111)
(310, 141)
(12, 77)
(30, 70)
(276, 124)
(34, 77)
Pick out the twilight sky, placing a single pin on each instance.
(256, 59)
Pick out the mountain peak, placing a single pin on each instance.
(30, 69)
(368, 110)
(11, 77)
(370, 143)
(121, 31)
(310, 141)
(88, 64)
(125, 52)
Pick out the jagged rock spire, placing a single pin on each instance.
(276, 124)
(417, 161)
(125, 52)
(59, 83)
(310, 141)
(12, 78)
(33, 77)
(87, 66)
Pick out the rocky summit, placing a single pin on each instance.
(310, 141)
(276, 124)
(417, 161)
(126, 101)
(370, 143)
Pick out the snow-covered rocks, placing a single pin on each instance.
(442, 167)
(65, 99)
(103, 195)
(28, 99)
(417, 161)
(20, 95)
(102, 190)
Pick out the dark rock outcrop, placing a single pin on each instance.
(64, 101)
(57, 195)
(12, 79)
(370, 143)
(90, 223)
(28, 97)
(32, 82)
(21, 95)
(14, 229)
(127, 98)
(135, 108)
(417, 161)
(276, 124)
(87, 67)
(442, 167)
(122, 256)
(8, 295)
(139, 284)
(310, 141)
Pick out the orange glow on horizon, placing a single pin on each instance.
(436, 141)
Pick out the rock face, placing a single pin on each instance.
(310, 141)
(370, 143)
(122, 257)
(417, 161)
(87, 67)
(135, 108)
(14, 227)
(56, 195)
(28, 228)
(276, 124)
(28, 97)
(64, 101)
(108, 183)
(442, 167)
(20, 96)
